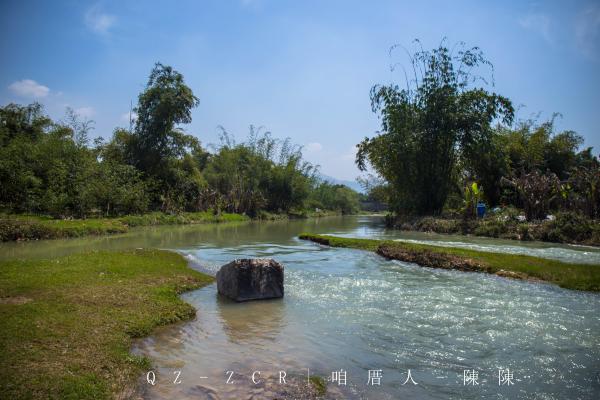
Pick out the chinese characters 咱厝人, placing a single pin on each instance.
(339, 377)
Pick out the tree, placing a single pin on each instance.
(81, 127)
(157, 141)
(429, 126)
(584, 185)
(165, 102)
(330, 196)
(536, 191)
(25, 122)
(21, 129)
(486, 162)
(260, 174)
(536, 146)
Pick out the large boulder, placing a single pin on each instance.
(251, 279)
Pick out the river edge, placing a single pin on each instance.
(24, 300)
(568, 228)
(33, 227)
(17, 228)
(70, 321)
(295, 388)
(566, 275)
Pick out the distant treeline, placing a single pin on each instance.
(50, 167)
(447, 143)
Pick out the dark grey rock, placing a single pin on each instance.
(251, 279)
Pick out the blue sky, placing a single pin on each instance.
(302, 69)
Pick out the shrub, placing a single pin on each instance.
(568, 227)
(524, 232)
(492, 228)
(439, 225)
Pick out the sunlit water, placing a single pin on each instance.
(355, 311)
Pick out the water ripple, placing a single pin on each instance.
(354, 310)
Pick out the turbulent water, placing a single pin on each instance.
(353, 311)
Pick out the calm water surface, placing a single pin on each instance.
(354, 311)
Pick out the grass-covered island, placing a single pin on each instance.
(566, 275)
(67, 323)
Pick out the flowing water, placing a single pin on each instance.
(353, 311)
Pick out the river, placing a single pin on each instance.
(351, 312)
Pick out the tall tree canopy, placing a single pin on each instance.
(165, 102)
(158, 147)
(439, 119)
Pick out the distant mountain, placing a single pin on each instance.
(351, 184)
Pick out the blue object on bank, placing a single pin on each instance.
(480, 209)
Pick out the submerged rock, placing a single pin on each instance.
(251, 279)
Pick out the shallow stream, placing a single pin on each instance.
(352, 311)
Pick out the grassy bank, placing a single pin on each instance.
(25, 227)
(566, 227)
(67, 323)
(570, 276)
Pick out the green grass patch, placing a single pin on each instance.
(67, 323)
(33, 228)
(566, 275)
(319, 384)
(201, 217)
(29, 227)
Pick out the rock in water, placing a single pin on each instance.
(251, 279)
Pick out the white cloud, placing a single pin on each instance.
(538, 23)
(29, 88)
(85, 112)
(314, 147)
(587, 31)
(98, 21)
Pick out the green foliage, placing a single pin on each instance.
(472, 196)
(328, 196)
(159, 148)
(260, 174)
(427, 128)
(442, 132)
(165, 102)
(47, 167)
(531, 146)
(536, 192)
(569, 226)
(526, 150)
(486, 162)
(26, 122)
(582, 190)
(491, 228)
(50, 167)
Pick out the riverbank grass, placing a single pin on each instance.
(68, 323)
(566, 275)
(30, 227)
